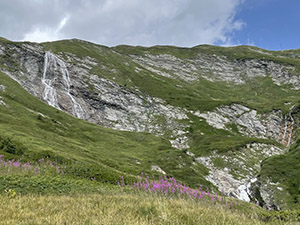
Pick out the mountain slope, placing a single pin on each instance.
(226, 109)
(45, 131)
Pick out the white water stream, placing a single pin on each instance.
(49, 92)
(291, 129)
(58, 67)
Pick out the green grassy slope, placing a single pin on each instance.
(100, 152)
(285, 169)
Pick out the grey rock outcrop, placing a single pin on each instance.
(2, 102)
(273, 125)
(269, 195)
(218, 68)
(2, 88)
(238, 169)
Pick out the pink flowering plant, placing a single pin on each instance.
(170, 187)
(42, 166)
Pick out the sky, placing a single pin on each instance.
(269, 24)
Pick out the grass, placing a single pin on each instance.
(61, 199)
(122, 208)
(285, 169)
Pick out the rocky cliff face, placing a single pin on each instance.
(70, 83)
(218, 68)
(63, 85)
(273, 125)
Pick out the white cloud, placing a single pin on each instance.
(43, 34)
(173, 22)
(113, 22)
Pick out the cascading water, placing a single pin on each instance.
(77, 109)
(291, 129)
(49, 94)
(59, 67)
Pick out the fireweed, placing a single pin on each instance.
(171, 187)
(43, 166)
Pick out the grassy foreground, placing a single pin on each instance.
(119, 208)
(44, 193)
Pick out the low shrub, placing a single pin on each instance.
(12, 146)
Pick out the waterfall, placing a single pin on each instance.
(291, 129)
(58, 68)
(49, 94)
(76, 107)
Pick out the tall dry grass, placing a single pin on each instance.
(117, 208)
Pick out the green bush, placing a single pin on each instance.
(45, 184)
(96, 172)
(11, 146)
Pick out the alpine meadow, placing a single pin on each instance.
(91, 134)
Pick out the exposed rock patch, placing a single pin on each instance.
(168, 66)
(269, 194)
(158, 169)
(218, 68)
(2, 49)
(2, 88)
(234, 172)
(2, 102)
(272, 125)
